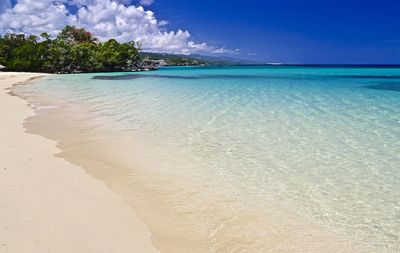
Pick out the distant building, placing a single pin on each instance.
(162, 63)
(153, 64)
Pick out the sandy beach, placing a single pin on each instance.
(199, 126)
(75, 178)
(50, 205)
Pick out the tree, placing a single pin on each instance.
(109, 56)
(73, 35)
(73, 50)
(130, 55)
(26, 57)
(59, 58)
(84, 57)
(9, 42)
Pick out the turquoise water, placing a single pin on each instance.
(320, 142)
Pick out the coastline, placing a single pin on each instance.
(173, 208)
(50, 205)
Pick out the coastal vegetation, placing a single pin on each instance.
(72, 50)
(75, 50)
(174, 59)
(194, 59)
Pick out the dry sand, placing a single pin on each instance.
(50, 205)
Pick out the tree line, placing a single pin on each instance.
(74, 50)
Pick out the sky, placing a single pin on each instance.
(274, 31)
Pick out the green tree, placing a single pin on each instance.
(84, 57)
(73, 35)
(109, 56)
(9, 42)
(130, 55)
(26, 57)
(73, 50)
(59, 57)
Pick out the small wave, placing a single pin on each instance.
(45, 107)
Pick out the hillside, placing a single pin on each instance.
(193, 60)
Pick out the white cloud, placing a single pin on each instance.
(163, 23)
(35, 16)
(224, 50)
(105, 18)
(146, 2)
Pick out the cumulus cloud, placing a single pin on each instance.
(105, 18)
(35, 16)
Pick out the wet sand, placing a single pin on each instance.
(48, 204)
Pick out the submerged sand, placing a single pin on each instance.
(183, 214)
(50, 205)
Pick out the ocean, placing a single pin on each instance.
(241, 158)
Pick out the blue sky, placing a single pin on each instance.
(284, 31)
(294, 31)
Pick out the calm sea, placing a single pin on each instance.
(321, 143)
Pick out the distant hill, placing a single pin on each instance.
(194, 59)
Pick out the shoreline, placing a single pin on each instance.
(50, 205)
(173, 208)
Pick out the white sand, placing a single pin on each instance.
(50, 205)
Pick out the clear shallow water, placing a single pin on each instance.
(321, 142)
